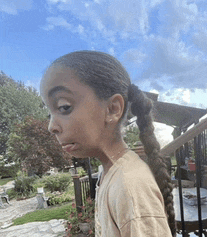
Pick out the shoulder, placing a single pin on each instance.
(133, 190)
(133, 173)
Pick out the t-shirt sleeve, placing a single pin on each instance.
(146, 227)
(137, 207)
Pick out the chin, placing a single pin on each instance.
(79, 155)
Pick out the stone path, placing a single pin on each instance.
(16, 209)
(50, 228)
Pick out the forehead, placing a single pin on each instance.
(60, 77)
(56, 75)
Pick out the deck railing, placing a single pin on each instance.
(190, 204)
(83, 189)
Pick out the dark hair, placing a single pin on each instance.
(106, 76)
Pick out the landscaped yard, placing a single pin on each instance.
(60, 190)
(58, 212)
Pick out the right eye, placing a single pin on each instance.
(65, 109)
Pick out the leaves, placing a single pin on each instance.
(16, 102)
(131, 136)
(31, 145)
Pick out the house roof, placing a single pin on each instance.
(174, 114)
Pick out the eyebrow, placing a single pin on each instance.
(57, 89)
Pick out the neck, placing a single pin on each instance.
(111, 154)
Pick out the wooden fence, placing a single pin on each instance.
(84, 189)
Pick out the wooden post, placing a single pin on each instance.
(92, 192)
(78, 193)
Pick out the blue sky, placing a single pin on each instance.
(162, 43)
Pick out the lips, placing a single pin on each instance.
(69, 147)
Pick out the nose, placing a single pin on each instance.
(53, 126)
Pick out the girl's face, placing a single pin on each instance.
(77, 115)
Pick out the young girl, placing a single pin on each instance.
(88, 94)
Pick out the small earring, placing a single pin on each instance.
(110, 120)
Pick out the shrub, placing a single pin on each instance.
(57, 182)
(11, 193)
(95, 162)
(8, 171)
(38, 183)
(24, 185)
(58, 198)
(81, 172)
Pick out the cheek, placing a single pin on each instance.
(89, 126)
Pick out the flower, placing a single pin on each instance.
(90, 232)
(70, 226)
(89, 201)
(80, 214)
(72, 214)
(85, 216)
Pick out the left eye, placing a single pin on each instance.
(64, 108)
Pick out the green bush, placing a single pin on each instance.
(95, 162)
(11, 193)
(8, 171)
(81, 172)
(57, 182)
(58, 198)
(24, 185)
(38, 183)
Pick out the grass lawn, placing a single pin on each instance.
(4, 181)
(58, 212)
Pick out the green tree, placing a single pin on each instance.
(16, 102)
(131, 136)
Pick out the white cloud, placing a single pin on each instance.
(193, 98)
(13, 6)
(108, 16)
(57, 1)
(176, 16)
(163, 133)
(134, 56)
(168, 63)
(35, 83)
(199, 35)
(129, 16)
(56, 21)
(112, 51)
(169, 56)
(186, 96)
(81, 29)
(200, 39)
(170, 49)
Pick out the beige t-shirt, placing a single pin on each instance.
(129, 202)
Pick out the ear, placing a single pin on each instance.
(115, 108)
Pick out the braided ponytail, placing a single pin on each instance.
(141, 107)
